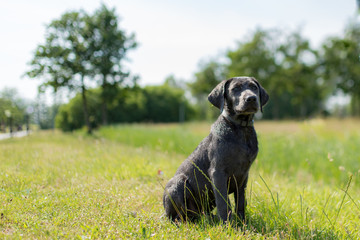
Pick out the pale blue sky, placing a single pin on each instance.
(173, 35)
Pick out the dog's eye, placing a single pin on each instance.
(237, 89)
(253, 87)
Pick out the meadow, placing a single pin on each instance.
(304, 184)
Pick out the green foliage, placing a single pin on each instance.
(56, 185)
(17, 115)
(64, 60)
(206, 79)
(128, 106)
(150, 104)
(285, 65)
(298, 72)
(10, 101)
(82, 48)
(109, 46)
(340, 62)
(63, 56)
(163, 104)
(79, 48)
(299, 78)
(254, 57)
(210, 75)
(43, 114)
(71, 116)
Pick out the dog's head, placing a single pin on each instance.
(239, 96)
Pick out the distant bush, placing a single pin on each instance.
(71, 116)
(149, 104)
(165, 103)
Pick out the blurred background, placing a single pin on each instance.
(78, 63)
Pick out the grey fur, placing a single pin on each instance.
(220, 164)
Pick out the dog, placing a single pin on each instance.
(220, 164)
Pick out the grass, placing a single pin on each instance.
(303, 185)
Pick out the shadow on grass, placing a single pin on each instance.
(283, 229)
(255, 225)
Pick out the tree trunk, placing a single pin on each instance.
(104, 112)
(354, 105)
(275, 111)
(103, 103)
(303, 110)
(85, 106)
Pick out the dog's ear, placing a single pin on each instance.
(263, 95)
(217, 95)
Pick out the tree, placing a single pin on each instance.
(209, 75)
(297, 72)
(341, 66)
(255, 57)
(165, 104)
(109, 46)
(44, 115)
(64, 59)
(150, 104)
(12, 103)
(81, 48)
(285, 65)
(71, 117)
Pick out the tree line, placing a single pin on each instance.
(17, 113)
(12, 110)
(84, 53)
(299, 78)
(149, 104)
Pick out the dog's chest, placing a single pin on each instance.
(239, 147)
(244, 149)
(247, 142)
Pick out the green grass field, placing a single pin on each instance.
(304, 184)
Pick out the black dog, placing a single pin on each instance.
(220, 164)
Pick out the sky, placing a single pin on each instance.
(173, 36)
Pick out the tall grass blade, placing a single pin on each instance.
(343, 199)
(271, 194)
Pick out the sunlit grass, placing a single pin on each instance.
(55, 185)
(181, 139)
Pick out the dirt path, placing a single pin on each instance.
(14, 134)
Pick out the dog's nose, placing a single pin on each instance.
(251, 99)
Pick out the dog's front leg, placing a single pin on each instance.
(240, 202)
(221, 195)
